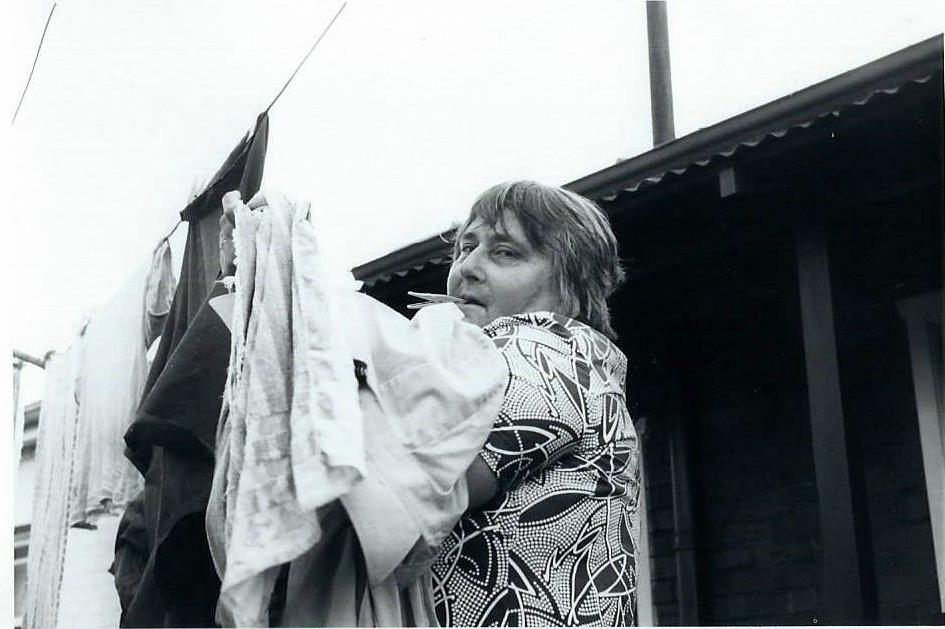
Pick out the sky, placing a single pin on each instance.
(402, 115)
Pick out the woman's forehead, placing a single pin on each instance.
(507, 227)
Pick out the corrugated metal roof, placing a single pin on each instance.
(885, 77)
(415, 257)
(772, 121)
(758, 140)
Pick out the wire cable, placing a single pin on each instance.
(35, 59)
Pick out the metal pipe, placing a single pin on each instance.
(684, 546)
(661, 84)
(39, 362)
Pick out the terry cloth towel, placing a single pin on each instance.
(55, 458)
(261, 446)
(297, 432)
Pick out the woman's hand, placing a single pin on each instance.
(231, 201)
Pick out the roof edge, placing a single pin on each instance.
(909, 63)
(418, 253)
(912, 63)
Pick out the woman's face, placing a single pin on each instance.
(499, 273)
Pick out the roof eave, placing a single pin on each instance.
(908, 64)
(913, 63)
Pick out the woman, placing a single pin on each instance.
(551, 534)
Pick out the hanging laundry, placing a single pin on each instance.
(55, 457)
(158, 292)
(241, 170)
(90, 397)
(111, 379)
(299, 438)
(274, 383)
(163, 570)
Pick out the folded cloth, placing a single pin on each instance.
(298, 433)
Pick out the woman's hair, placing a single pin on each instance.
(572, 231)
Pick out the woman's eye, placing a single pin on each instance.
(465, 248)
(505, 253)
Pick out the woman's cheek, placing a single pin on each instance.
(452, 280)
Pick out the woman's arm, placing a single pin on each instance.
(544, 412)
(482, 482)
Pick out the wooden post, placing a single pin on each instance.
(923, 317)
(841, 586)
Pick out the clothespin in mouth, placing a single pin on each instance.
(431, 299)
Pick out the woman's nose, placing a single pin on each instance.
(470, 267)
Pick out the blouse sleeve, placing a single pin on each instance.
(544, 412)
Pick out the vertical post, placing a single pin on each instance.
(841, 587)
(661, 85)
(684, 548)
(17, 415)
(920, 314)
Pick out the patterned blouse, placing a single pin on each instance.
(557, 545)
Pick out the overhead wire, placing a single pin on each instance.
(308, 54)
(39, 362)
(286, 85)
(35, 59)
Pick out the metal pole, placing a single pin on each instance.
(661, 85)
(39, 362)
(684, 546)
(17, 367)
(17, 415)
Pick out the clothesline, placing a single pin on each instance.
(33, 68)
(291, 77)
(307, 55)
(41, 362)
(171, 233)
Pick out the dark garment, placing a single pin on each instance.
(163, 570)
(242, 170)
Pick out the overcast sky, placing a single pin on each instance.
(405, 112)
